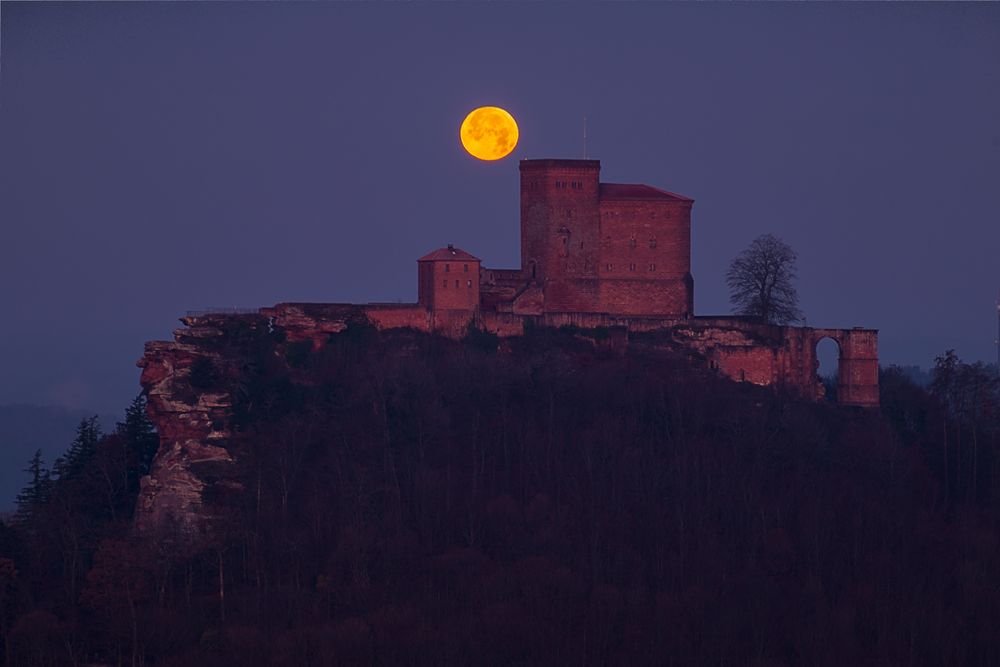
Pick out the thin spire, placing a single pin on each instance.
(584, 137)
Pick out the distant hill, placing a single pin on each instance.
(26, 428)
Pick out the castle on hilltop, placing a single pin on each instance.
(603, 255)
(596, 258)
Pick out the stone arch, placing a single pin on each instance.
(857, 364)
(817, 344)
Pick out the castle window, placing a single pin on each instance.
(652, 243)
(445, 282)
(447, 268)
(652, 267)
(456, 283)
(631, 267)
(609, 267)
(631, 242)
(470, 283)
(465, 268)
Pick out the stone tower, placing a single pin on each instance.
(560, 203)
(448, 279)
(616, 248)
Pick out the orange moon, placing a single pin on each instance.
(489, 133)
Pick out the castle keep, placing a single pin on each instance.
(586, 247)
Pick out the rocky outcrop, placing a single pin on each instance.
(186, 386)
(311, 321)
(191, 385)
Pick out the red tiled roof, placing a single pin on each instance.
(637, 191)
(451, 252)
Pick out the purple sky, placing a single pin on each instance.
(156, 158)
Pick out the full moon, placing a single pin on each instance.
(489, 133)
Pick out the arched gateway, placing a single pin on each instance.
(857, 370)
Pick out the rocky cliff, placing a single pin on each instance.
(193, 384)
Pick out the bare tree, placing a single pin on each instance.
(760, 281)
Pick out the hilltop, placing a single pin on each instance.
(388, 497)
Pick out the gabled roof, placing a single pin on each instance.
(451, 252)
(638, 191)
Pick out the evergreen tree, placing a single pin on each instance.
(140, 439)
(36, 493)
(82, 451)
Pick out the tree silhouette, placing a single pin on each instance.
(81, 451)
(140, 438)
(36, 493)
(760, 281)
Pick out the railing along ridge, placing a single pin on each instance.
(224, 310)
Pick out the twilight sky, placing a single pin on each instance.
(156, 158)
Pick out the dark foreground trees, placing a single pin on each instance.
(409, 500)
(761, 281)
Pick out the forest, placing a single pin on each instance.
(554, 499)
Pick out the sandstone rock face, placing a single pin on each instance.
(189, 384)
(192, 419)
(311, 321)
